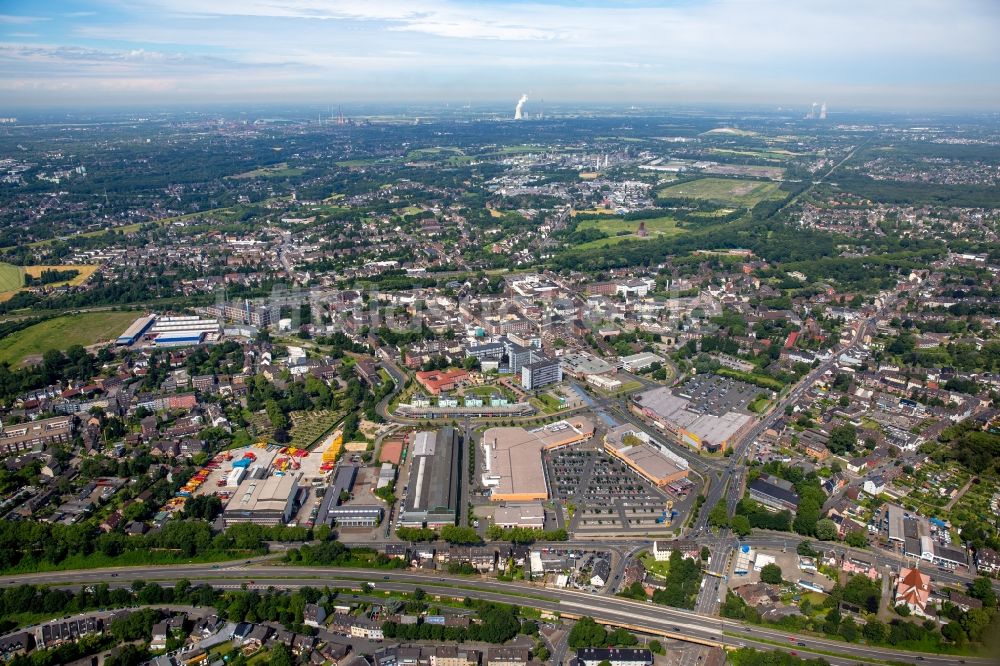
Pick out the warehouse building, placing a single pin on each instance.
(270, 501)
(180, 331)
(514, 470)
(640, 361)
(432, 490)
(530, 515)
(333, 510)
(135, 330)
(634, 448)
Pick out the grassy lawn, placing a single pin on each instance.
(11, 277)
(659, 568)
(613, 226)
(62, 332)
(549, 403)
(726, 191)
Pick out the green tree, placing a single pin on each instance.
(771, 573)
(854, 538)
(587, 633)
(826, 530)
(740, 524)
(280, 655)
(874, 632)
(843, 439)
(982, 589)
(718, 517)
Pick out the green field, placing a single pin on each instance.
(281, 170)
(11, 277)
(725, 191)
(778, 154)
(63, 332)
(620, 230)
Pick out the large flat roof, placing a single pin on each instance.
(137, 327)
(684, 413)
(584, 363)
(270, 494)
(655, 466)
(434, 474)
(515, 455)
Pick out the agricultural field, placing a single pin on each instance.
(83, 273)
(85, 329)
(8, 287)
(724, 191)
(11, 277)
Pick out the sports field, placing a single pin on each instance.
(725, 191)
(11, 277)
(63, 332)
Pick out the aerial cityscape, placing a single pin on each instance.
(485, 345)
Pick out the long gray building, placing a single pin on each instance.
(432, 491)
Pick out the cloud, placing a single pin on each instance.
(13, 19)
(19, 60)
(694, 50)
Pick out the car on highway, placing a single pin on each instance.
(801, 644)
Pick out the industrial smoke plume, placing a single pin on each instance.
(520, 105)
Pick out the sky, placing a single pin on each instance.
(870, 54)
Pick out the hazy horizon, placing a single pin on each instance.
(903, 56)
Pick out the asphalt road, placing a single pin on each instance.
(669, 622)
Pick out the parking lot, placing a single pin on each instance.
(715, 395)
(605, 493)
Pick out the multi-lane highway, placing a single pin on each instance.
(660, 620)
